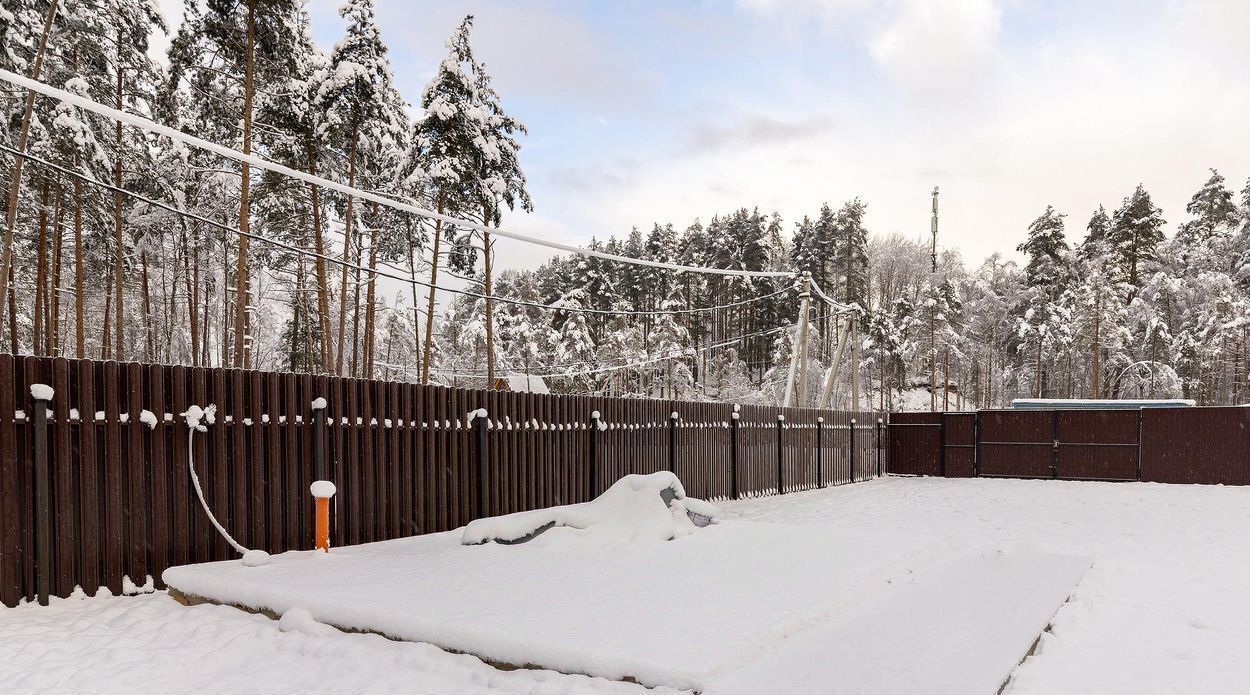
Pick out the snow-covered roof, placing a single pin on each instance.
(525, 383)
(1099, 403)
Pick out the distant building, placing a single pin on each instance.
(521, 383)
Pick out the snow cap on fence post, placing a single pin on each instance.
(41, 392)
(319, 403)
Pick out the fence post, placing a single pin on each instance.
(976, 441)
(781, 473)
(879, 426)
(594, 454)
(820, 451)
(479, 436)
(733, 453)
(319, 439)
(43, 522)
(672, 442)
(854, 478)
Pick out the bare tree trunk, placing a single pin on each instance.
(1095, 349)
(412, 273)
(41, 273)
(242, 297)
(192, 288)
(490, 310)
(1038, 385)
(932, 366)
(356, 312)
(429, 315)
(347, 248)
(224, 343)
(106, 351)
(319, 264)
(54, 296)
(147, 309)
(13, 321)
(15, 185)
(946, 379)
(79, 336)
(371, 295)
(119, 264)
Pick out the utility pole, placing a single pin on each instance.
(932, 328)
(807, 298)
(934, 228)
(832, 376)
(854, 363)
(799, 352)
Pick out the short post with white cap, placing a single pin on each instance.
(820, 451)
(672, 442)
(733, 453)
(42, 395)
(594, 455)
(781, 472)
(322, 491)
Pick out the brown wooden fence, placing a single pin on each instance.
(406, 459)
(1165, 445)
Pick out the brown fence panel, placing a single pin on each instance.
(1196, 445)
(1097, 444)
(1017, 443)
(406, 460)
(959, 444)
(916, 443)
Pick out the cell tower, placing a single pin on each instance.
(933, 253)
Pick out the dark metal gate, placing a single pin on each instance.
(1066, 444)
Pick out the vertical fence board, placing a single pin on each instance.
(12, 557)
(179, 488)
(159, 516)
(64, 482)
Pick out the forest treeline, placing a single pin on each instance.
(1126, 305)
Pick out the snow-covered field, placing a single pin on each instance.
(1163, 609)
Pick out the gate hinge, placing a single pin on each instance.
(1056, 444)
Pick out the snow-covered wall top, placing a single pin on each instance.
(1098, 404)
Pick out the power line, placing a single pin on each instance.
(380, 273)
(260, 163)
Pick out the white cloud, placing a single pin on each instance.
(934, 45)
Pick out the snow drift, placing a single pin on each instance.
(636, 508)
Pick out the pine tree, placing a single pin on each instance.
(850, 240)
(1136, 231)
(1047, 251)
(442, 155)
(357, 98)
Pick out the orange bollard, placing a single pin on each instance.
(322, 490)
(323, 524)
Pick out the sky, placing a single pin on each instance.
(647, 111)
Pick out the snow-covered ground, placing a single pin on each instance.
(1163, 608)
(152, 644)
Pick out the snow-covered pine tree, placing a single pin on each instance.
(1136, 231)
(850, 262)
(1047, 251)
(357, 99)
(224, 51)
(442, 154)
(499, 179)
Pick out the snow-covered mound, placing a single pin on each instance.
(636, 508)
